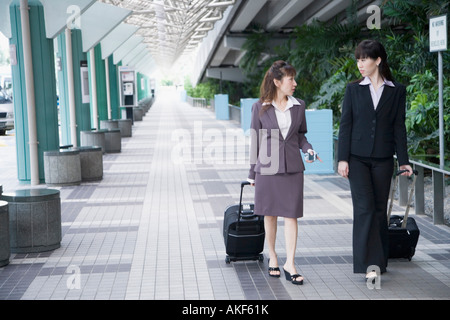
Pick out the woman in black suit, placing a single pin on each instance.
(372, 130)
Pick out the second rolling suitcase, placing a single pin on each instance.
(403, 231)
(243, 232)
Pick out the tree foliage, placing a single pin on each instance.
(323, 55)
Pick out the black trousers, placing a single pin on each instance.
(370, 181)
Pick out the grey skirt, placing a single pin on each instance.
(279, 195)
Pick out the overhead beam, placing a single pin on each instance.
(245, 16)
(116, 38)
(236, 42)
(330, 10)
(62, 14)
(242, 19)
(362, 14)
(133, 53)
(126, 47)
(133, 61)
(227, 74)
(220, 55)
(286, 14)
(5, 19)
(207, 48)
(98, 21)
(145, 64)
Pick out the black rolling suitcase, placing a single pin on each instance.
(243, 232)
(403, 230)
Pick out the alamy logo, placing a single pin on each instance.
(215, 146)
(373, 277)
(74, 280)
(74, 19)
(374, 21)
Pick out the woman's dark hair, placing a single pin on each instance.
(373, 49)
(278, 70)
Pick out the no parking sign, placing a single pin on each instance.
(438, 42)
(438, 33)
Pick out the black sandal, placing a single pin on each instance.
(274, 269)
(292, 278)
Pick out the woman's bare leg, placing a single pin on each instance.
(290, 234)
(270, 226)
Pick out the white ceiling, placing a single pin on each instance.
(172, 28)
(155, 34)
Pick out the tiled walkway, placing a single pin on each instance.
(152, 228)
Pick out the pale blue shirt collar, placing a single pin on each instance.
(366, 81)
(376, 95)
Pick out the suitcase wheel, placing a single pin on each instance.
(260, 258)
(413, 251)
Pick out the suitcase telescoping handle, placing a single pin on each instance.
(415, 173)
(243, 184)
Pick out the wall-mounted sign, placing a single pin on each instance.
(13, 54)
(84, 82)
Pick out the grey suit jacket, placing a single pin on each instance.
(270, 153)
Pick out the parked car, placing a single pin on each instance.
(6, 113)
(6, 84)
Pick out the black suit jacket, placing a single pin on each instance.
(370, 133)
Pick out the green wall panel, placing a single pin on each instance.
(82, 110)
(100, 76)
(64, 112)
(114, 89)
(45, 89)
(143, 86)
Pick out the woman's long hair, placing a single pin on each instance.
(268, 89)
(374, 50)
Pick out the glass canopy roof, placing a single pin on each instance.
(172, 28)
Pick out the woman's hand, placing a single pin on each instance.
(312, 152)
(406, 167)
(343, 168)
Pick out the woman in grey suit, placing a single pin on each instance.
(278, 129)
(372, 130)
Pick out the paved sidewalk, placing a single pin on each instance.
(152, 228)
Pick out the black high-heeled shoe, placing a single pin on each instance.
(274, 269)
(292, 278)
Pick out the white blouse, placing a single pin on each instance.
(284, 117)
